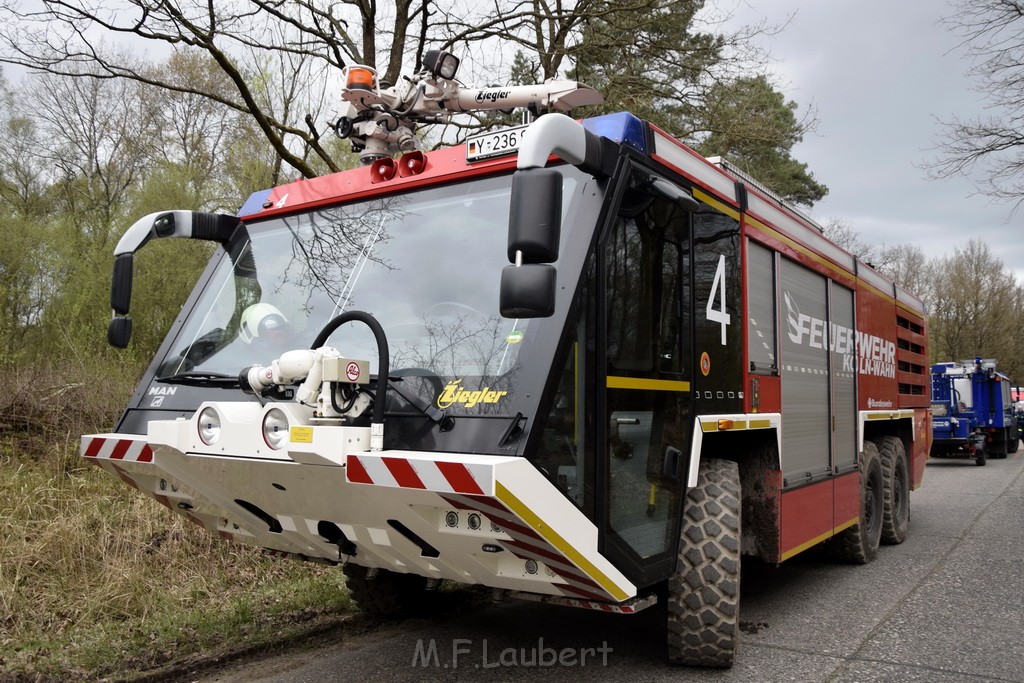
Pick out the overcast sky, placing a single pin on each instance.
(880, 73)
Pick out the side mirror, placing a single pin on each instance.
(528, 287)
(535, 215)
(528, 291)
(214, 227)
(121, 283)
(119, 331)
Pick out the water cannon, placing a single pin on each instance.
(329, 384)
(382, 119)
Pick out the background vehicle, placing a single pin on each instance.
(973, 411)
(606, 367)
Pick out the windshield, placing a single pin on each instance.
(426, 264)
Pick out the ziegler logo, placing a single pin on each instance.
(454, 393)
(492, 95)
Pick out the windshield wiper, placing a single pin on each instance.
(202, 379)
(438, 417)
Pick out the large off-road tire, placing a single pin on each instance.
(388, 594)
(704, 592)
(859, 543)
(895, 490)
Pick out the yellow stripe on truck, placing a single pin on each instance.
(647, 384)
(814, 541)
(552, 537)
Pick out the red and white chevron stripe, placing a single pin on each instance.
(527, 544)
(419, 473)
(115, 448)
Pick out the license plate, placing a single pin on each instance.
(495, 144)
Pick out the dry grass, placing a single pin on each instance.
(98, 581)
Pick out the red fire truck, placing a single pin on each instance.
(573, 361)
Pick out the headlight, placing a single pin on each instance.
(209, 426)
(275, 428)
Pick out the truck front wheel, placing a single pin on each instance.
(387, 594)
(704, 592)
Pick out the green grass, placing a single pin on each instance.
(99, 581)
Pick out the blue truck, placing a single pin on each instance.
(973, 412)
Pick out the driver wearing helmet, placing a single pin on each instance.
(263, 322)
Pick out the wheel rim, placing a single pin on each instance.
(899, 499)
(869, 504)
(873, 502)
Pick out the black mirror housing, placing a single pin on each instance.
(535, 215)
(121, 284)
(119, 331)
(528, 291)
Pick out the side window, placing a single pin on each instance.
(761, 309)
(644, 290)
(566, 455)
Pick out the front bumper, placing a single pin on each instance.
(476, 519)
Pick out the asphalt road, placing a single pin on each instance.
(946, 605)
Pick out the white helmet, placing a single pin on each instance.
(259, 319)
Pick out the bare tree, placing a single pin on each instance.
(22, 190)
(278, 57)
(201, 140)
(843, 233)
(975, 308)
(96, 139)
(906, 264)
(247, 39)
(992, 33)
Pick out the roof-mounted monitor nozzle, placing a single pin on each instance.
(381, 119)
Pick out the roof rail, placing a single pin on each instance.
(735, 171)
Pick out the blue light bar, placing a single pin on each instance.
(622, 127)
(255, 202)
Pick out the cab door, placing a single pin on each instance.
(644, 357)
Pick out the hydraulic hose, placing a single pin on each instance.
(384, 364)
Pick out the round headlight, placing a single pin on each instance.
(275, 428)
(209, 426)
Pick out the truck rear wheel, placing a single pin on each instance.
(895, 490)
(388, 594)
(997, 450)
(704, 592)
(1012, 440)
(859, 543)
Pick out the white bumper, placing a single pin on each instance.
(477, 519)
